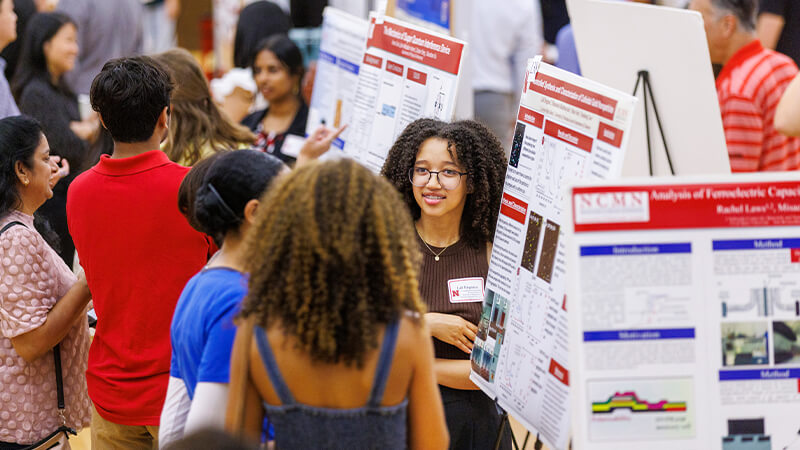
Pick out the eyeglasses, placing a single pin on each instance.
(448, 179)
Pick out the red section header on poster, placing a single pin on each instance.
(394, 68)
(431, 50)
(531, 117)
(373, 60)
(514, 208)
(573, 138)
(416, 75)
(558, 371)
(719, 205)
(574, 95)
(609, 135)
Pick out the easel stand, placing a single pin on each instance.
(644, 77)
(504, 423)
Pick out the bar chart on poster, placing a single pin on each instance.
(684, 325)
(568, 128)
(341, 52)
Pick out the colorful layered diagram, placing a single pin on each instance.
(629, 400)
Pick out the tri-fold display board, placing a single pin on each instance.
(568, 128)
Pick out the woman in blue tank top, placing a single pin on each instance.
(333, 347)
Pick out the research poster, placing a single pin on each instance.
(685, 314)
(434, 14)
(341, 52)
(406, 73)
(568, 128)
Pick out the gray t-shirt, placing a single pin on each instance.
(106, 30)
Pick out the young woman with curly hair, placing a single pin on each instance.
(451, 177)
(334, 303)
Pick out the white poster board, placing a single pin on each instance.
(407, 73)
(685, 313)
(567, 128)
(615, 40)
(340, 54)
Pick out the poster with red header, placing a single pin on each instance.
(685, 313)
(568, 128)
(407, 73)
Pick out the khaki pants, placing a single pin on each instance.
(111, 436)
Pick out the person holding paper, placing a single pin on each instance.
(451, 177)
(749, 87)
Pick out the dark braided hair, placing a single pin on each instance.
(477, 150)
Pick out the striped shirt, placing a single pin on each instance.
(749, 87)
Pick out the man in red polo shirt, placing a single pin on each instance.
(138, 252)
(749, 87)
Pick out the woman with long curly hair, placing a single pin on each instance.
(198, 128)
(451, 177)
(334, 302)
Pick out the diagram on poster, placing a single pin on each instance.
(568, 128)
(407, 73)
(340, 55)
(684, 313)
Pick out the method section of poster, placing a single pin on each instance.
(567, 128)
(685, 313)
(340, 55)
(407, 73)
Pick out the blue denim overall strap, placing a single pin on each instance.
(381, 371)
(384, 364)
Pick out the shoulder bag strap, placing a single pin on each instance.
(56, 358)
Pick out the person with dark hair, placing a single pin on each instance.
(451, 177)
(257, 22)
(42, 303)
(24, 9)
(202, 328)
(333, 296)
(49, 52)
(278, 71)
(187, 191)
(749, 87)
(137, 249)
(198, 128)
(8, 34)
(778, 27)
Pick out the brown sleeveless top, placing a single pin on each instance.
(457, 261)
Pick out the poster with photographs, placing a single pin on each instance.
(568, 128)
(684, 326)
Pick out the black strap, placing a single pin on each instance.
(9, 225)
(59, 379)
(56, 349)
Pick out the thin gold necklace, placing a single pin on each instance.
(435, 255)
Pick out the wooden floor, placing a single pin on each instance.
(83, 441)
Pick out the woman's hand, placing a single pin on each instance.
(452, 329)
(59, 169)
(318, 143)
(88, 129)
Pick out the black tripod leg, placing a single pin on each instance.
(660, 127)
(503, 424)
(647, 127)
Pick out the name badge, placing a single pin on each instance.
(465, 290)
(292, 145)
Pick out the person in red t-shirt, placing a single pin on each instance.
(749, 87)
(138, 252)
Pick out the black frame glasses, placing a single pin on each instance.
(438, 180)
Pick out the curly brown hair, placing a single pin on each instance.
(332, 256)
(477, 150)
